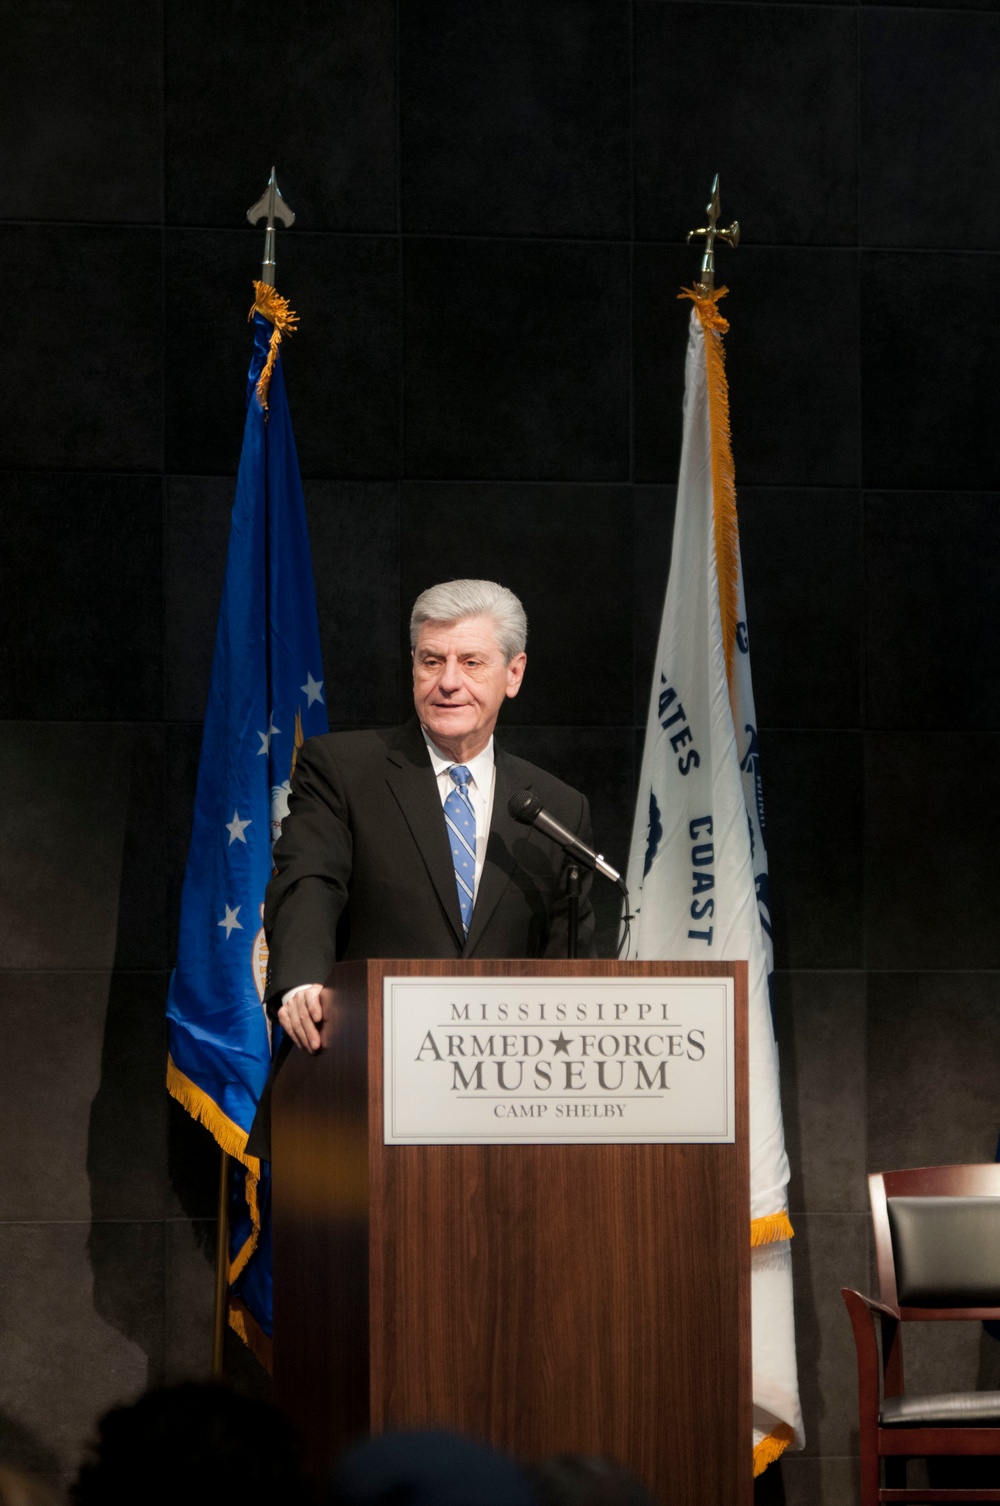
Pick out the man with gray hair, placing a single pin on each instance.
(399, 843)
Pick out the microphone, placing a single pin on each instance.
(528, 809)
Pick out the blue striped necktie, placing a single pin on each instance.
(461, 820)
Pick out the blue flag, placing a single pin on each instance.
(265, 698)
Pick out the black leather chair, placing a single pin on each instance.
(937, 1244)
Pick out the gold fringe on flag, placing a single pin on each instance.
(727, 537)
(230, 1138)
(771, 1448)
(769, 1229)
(243, 1323)
(275, 310)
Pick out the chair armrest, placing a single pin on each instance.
(872, 1303)
(864, 1312)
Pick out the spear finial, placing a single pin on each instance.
(274, 207)
(706, 278)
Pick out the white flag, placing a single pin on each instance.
(697, 872)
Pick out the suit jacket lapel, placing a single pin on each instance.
(500, 862)
(411, 780)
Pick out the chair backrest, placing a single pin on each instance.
(937, 1240)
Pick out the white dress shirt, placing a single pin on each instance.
(482, 770)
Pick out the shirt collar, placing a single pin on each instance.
(480, 767)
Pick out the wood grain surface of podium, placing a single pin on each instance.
(551, 1298)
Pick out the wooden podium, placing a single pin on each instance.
(550, 1298)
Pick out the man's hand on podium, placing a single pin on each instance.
(303, 1011)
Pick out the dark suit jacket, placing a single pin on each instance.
(364, 864)
(364, 870)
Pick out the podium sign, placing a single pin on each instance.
(558, 1060)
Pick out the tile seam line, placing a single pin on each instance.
(848, 246)
(87, 1223)
(820, 5)
(341, 479)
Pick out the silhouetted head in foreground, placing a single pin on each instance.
(192, 1443)
(426, 1469)
(585, 1480)
(22, 1490)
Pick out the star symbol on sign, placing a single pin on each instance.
(313, 689)
(236, 828)
(560, 1045)
(265, 737)
(231, 923)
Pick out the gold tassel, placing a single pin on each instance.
(239, 1264)
(243, 1323)
(771, 1448)
(769, 1229)
(275, 310)
(230, 1138)
(727, 536)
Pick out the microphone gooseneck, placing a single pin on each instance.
(525, 807)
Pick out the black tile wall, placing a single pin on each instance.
(925, 1029)
(829, 1251)
(652, 536)
(788, 172)
(932, 578)
(805, 1479)
(660, 324)
(127, 1134)
(197, 511)
(933, 4)
(66, 830)
(183, 750)
(516, 359)
(929, 414)
(932, 827)
(343, 385)
(141, 928)
(81, 128)
(100, 1302)
(928, 80)
(488, 379)
(49, 1116)
(80, 605)
(310, 89)
(820, 1023)
(87, 348)
(813, 796)
(803, 604)
(515, 118)
(190, 1296)
(354, 533)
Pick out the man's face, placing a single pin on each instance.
(460, 681)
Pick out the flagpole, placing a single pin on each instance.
(711, 232)
(270, 207)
